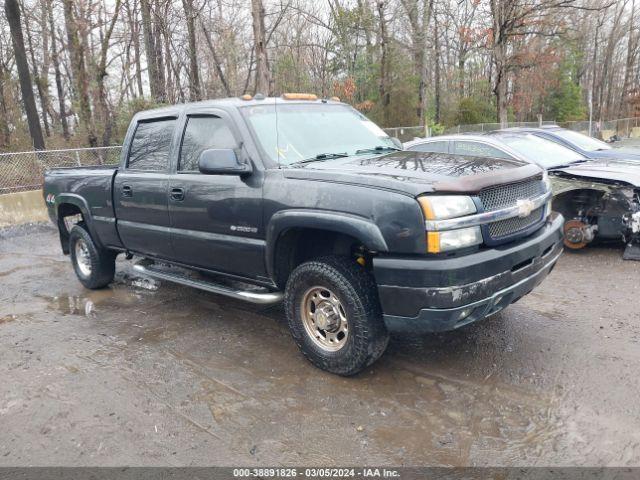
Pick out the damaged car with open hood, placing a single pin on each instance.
(599, 198)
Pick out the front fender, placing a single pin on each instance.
(361, 228)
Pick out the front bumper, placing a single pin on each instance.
(430, 295)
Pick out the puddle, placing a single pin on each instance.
(72, 305)
(88, 305)
(144, 283)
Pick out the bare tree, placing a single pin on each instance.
(80, 75)
(152, 47)
(262, 75)
(12, 11)
(194, 76)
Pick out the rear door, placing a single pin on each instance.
(141, 189)
(216, 220)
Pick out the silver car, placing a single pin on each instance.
(598, 197)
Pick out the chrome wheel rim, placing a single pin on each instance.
(83, 258)
(324, 319)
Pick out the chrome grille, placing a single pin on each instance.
(495, 198)
(504, 228)
(502, 196)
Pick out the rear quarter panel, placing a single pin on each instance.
(89, 189)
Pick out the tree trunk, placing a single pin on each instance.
(194, 75)
(216, 61)
(632, 45)
(501, 95)
(135, 32)
(12, 12)
(419, 15)
(499, 51)
(263, 75)
(5, 132)
(101, 73)
(40, 81)
(79, 72)
(56, 69)
(437, 69)
(154, 69)
(383, 87)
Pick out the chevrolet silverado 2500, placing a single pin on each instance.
(307, 201)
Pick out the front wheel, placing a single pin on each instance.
(334, 315)
(94, 266)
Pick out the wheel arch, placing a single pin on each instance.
(69, 205)
(295, 236)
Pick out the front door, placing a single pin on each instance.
(140, 190)
(216, 220)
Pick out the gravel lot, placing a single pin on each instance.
(150, 374)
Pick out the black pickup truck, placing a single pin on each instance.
(307, 201)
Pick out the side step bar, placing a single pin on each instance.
(260, 298)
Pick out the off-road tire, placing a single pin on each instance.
(102, 261)
(357, 292)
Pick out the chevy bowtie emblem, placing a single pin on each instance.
(525, 207)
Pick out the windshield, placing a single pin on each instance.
(543, 152)
(582, 141)
(310, 131)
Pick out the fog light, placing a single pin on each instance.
(464, 313)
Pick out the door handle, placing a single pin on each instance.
(177, 194)
(127, 191)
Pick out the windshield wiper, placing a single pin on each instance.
(380, 148)
(320, 157)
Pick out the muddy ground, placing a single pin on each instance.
(150, 374)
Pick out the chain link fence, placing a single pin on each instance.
(22, 171)
(488, 127)
(622, 127)
(404, 134)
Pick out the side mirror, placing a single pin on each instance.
(222, 161)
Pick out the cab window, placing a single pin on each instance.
(203, 133)
(151, 144)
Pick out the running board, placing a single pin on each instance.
(260, 298)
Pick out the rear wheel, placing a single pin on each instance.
(334, 315)
(94, 266)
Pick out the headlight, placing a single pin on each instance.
(442, 207)
(453, 239)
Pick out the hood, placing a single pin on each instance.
(608, 170)
(417, 172)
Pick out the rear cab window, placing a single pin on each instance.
(151, 145)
